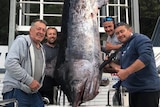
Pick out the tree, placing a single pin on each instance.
(4, 28)
(149, 13)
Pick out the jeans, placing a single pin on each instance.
(24, 99)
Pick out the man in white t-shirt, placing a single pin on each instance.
(112, 45)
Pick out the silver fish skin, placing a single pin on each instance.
(80, 72)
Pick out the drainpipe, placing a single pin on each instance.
(12, 22)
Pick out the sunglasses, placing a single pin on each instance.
(108, 19)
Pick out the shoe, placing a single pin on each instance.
(104, 82)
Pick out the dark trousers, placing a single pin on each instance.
(24, 99)
(144, 99)
(49, 90)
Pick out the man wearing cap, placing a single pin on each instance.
(112, 42)
(112, 45)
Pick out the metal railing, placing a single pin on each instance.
(25, 13)
(8, 101)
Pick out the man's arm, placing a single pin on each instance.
(124, 73)
(136, 66)
(110, 46)
(114, 65)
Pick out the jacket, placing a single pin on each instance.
(145, 80)
(20, 65)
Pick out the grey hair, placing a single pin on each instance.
(38, 20)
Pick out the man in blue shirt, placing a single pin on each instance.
(137, 69)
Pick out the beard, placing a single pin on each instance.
(52, 43)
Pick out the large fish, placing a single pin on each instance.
(80, 53)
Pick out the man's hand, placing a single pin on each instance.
(122, 73)
(106, 57)
(135, 67)
(34, 85)
(110, 46)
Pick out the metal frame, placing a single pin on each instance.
(41, 14)
(23, 24)
(8, 101)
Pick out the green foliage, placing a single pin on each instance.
(149, 13)
(4, 28)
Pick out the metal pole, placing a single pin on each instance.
(12, 22)
(135, 15)
(8, 101)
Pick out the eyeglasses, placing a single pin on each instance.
(108, 19)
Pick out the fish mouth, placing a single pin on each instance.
(81, 84)
(82, 92)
